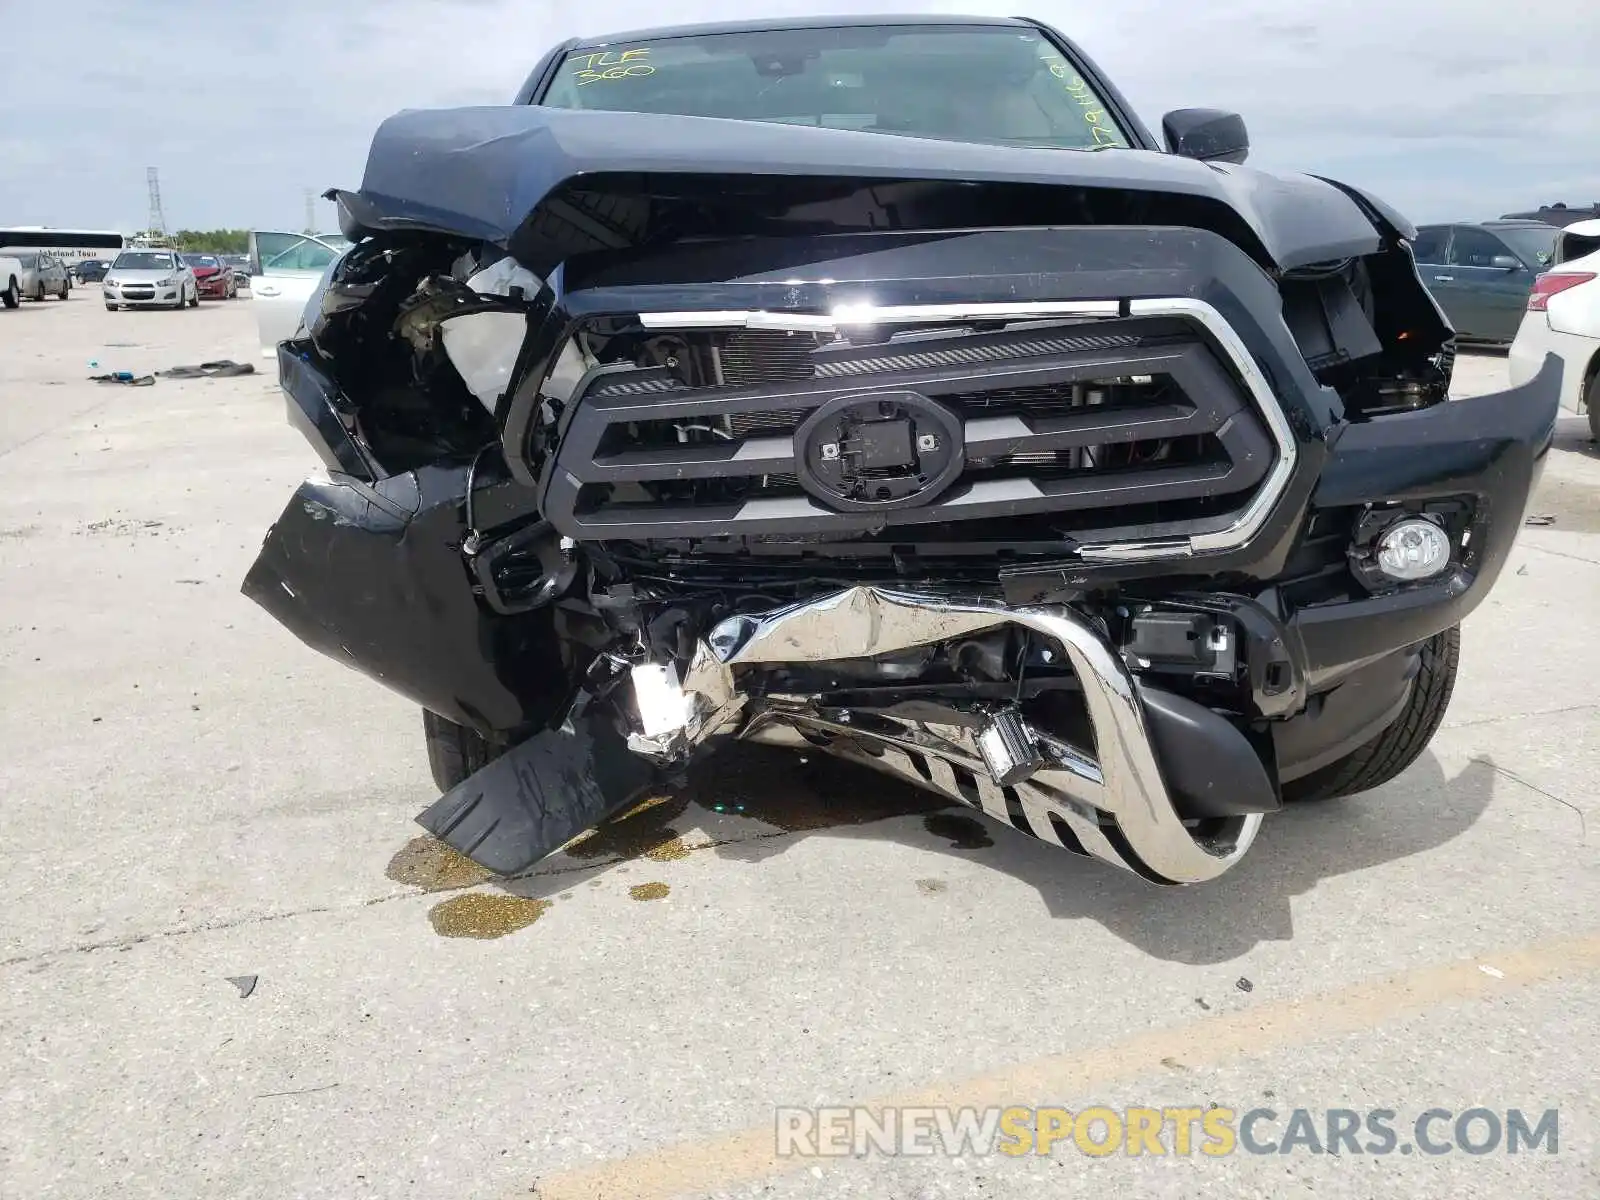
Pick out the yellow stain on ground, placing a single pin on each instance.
(427, 863)
(740, 1159)
(649, 891)
(484, 915)
(669, 851)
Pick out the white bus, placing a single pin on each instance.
(69, 245)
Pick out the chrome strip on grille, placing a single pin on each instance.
(1237, 354)
(846, 316)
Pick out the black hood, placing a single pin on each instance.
(485, 172)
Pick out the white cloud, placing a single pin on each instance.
(1463, 111)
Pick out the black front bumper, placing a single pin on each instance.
(1489, 449)
(370, 569)
(1358, 657)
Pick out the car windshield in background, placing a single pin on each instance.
(142, 262)
(28, 261)
(959, 82)
(1534, 245)
(201, 260)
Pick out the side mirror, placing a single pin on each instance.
(1208, 134)
(1505, 262)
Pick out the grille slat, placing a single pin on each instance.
(1060, 420)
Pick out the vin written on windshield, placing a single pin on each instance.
(961, 83)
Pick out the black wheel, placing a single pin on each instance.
(111, 308)
(194, 300)
(12, 296)
(1397, 747)
(1591, 401)
(454, 751)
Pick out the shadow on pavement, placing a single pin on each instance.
(1572, 435)
(793, 799)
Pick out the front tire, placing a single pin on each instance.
(12, 296)
(1591, 401)
(454, 751)
(1377, 761)
(194, 300)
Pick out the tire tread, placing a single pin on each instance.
(1398, 746)
(454, 751)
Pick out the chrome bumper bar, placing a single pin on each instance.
(1110, 804)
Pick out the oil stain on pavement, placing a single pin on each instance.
(798, 796)
(644, 831)
(484, 915)
(427, 863)
(750, 782)
(965, 833)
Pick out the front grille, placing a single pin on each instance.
(755, 356)
(1096, 425)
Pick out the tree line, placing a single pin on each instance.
(209, 241)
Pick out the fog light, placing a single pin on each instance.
(1413, 549)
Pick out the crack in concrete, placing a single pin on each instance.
(137, 939)
(1583, 824)
(1543, 712)
(1593, 562)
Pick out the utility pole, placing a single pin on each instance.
(157, 232)
(311, 210)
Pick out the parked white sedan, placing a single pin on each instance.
(150, 279)
(1563, 319)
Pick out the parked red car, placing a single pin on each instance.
(215, 279)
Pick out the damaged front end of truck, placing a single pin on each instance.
(1118, 500)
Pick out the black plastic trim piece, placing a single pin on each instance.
(1210, 768)
(318, 410)
(540, 794)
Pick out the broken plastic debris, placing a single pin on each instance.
(1543, 519)
(245, 983)
(127, 378)
(210, 370)
(1492, 972)
(1244, 985)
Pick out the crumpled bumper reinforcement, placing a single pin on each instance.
(1112, 801)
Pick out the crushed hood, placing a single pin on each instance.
(484, 172)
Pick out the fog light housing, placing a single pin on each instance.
(1412, 549)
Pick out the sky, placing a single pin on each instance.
(243, 105)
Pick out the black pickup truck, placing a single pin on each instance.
(884, 388)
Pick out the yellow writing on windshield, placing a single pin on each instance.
(1095, 117)
(611, 64)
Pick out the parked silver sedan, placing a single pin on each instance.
(43, 274)
(150, 279)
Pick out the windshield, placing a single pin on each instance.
(143, 261)
(201, 260)
(959, 82)
(1533, 245)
